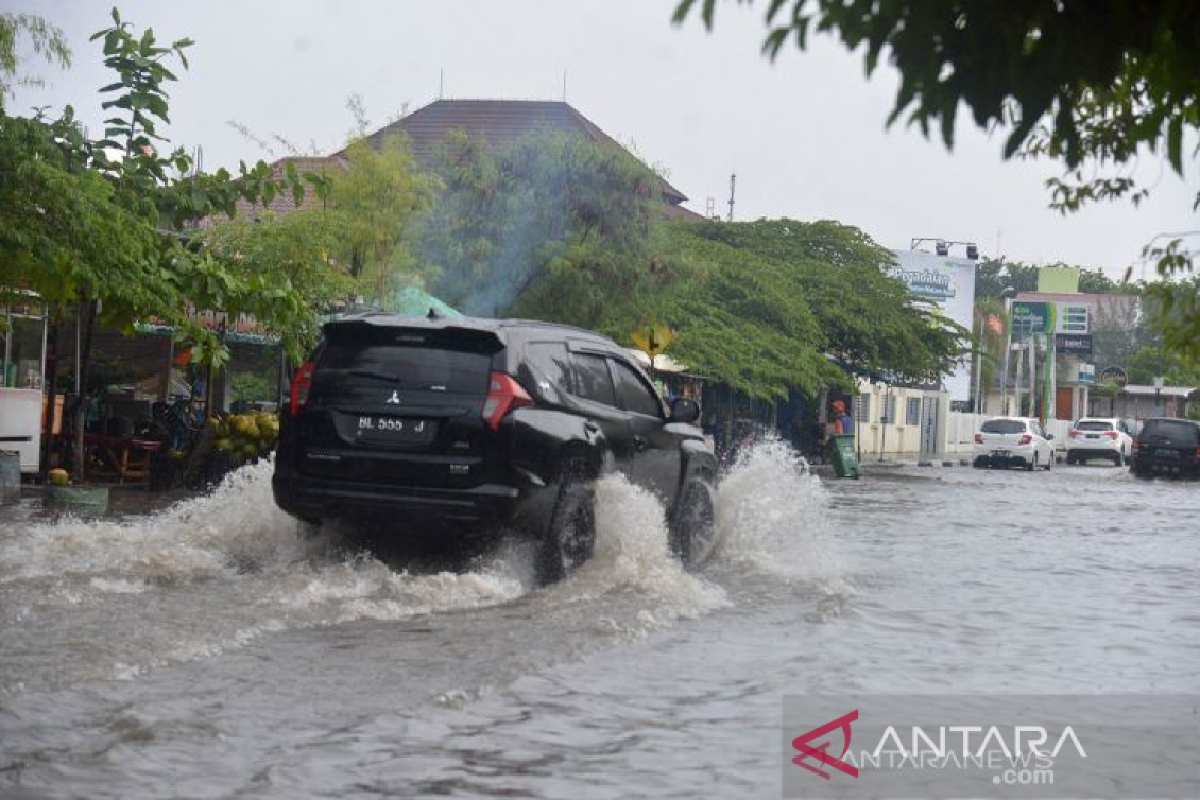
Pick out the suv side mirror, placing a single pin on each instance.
(684, 410)
(1049, 436)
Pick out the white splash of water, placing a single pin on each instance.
(236, 528)
(364, 588)
(632, 552)
(771, 516)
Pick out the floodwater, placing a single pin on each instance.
(211, 650)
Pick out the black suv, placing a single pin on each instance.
(456, 426)
(1167, 447)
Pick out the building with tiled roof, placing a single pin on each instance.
(501, 122)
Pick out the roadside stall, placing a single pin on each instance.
(22, 365)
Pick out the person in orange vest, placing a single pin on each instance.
(842, 422)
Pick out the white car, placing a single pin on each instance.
(1099, 437)
(1009, 441)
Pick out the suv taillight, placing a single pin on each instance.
(301, 383)
(979, 438)
(1024, 440)
(1110, 434)
(1137, 445)
(1074, 434)
(504, 395)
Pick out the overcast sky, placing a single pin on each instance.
(805, 135)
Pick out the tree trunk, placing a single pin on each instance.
(52, 389)
(87, 320)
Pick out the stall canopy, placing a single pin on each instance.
(413, 302)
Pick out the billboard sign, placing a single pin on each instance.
(1031, 317)
(1074, 344)
(949, 285)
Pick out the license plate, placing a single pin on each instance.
(399, 429)
(1169, 454)
(999, 453)
(1093, 436)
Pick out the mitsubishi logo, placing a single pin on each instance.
(395, 398)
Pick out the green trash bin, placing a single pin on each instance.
(843, 456)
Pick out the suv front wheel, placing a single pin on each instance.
(694, 523)
(570, 538)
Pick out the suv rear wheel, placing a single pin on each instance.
(694, 524)
(571, 537)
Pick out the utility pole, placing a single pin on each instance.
(1017, 381)
(732, 189)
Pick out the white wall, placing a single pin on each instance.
(901, 437)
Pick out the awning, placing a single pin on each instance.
(662, 361)
(413, 302)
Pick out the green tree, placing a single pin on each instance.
(1093, 281)
(1089, 86)
(1149, 363)
(990, 338)
(739, 317)
(86, 222)
(867, 318)
(282, 272)
(1073, 80)
(370, 212)
(551, 226)
(45, 39)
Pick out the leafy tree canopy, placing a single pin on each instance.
(45, 40)
(552, 225)
(370, 211)
(739, 317)
(1072, 78)
(90, 221)
(999, 278)
(866, 317)
(1149, 363)
(1091, 85)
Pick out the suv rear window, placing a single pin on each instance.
(549, 363)
(1003, 426)
(450, 361)
(1177, 430)
(1093, 425)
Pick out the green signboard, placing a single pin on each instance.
(1030, 317)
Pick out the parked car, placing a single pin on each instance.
(1167, 447)
(459, 426)
(1095, 437)
(1013, 441)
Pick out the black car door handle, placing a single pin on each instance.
(639, 442)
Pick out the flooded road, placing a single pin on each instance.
(210, 650)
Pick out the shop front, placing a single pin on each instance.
(22, 365)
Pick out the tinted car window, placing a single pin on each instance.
(412, 367)
(592, 381)
(1003, 426)
(635, 395)
(1094, 425)
(1177, 430)
(550, 364)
